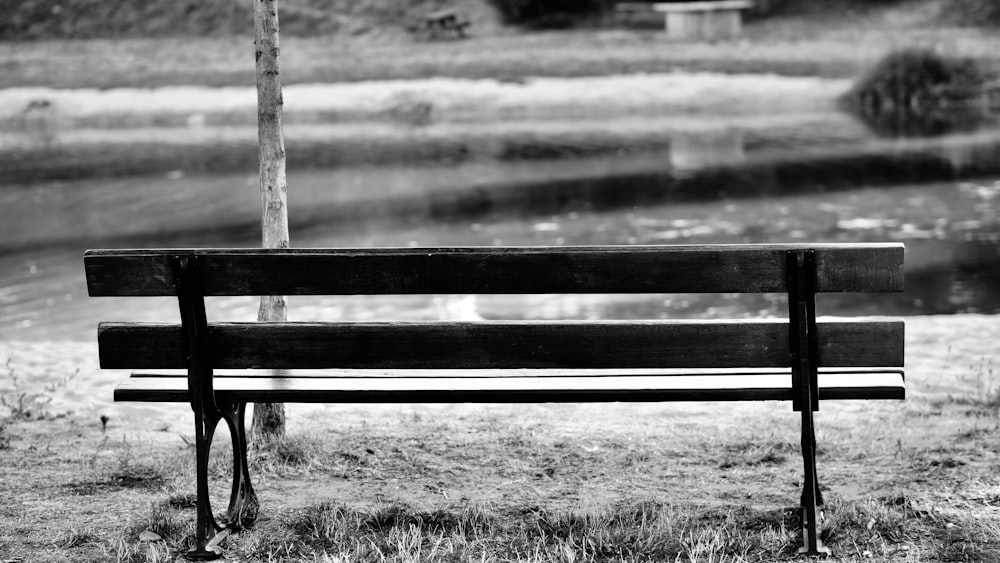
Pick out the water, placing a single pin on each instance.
(814, 176)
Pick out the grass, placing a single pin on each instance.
(575, 483)
(633, 531)
(26, 405)
(980, 384)
(987, 385)
(913, 481)
(639, 530)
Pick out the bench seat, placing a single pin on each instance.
(511, 385)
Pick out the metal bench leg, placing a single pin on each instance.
(804, 348)
(812, 499)
(243, 504)
(819, 493)
(207, 530)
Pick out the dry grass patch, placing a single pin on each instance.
(487, 487)
(917, 481)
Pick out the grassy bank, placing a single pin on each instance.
(910, 481)
(830, 41)
(90, 19)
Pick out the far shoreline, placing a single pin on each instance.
(679, 93)
(787, 47)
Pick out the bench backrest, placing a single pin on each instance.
(752, 268)
(502, 344)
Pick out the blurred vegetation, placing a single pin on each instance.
(45, 19)
(548, 13)
(917, 92)
(971, 12)
(60, 19)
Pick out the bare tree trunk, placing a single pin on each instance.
(269, 418)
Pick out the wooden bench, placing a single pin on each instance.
(226, 365)
(703, 20)
(444, 23)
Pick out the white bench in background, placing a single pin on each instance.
(703, 20)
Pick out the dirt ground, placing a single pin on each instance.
(67, 478)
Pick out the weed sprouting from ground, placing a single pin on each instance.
(163, 521)
(182, 500)
(139, 475)
(77, 538)
(883, 526)
(124, 551)
(25, 405)
(132, 473)
(987, 386)
(92, 461)
(753, 454)
(969, 539)
(159, 535)
(285, 454)
(125, 472)
(868, 523)
(982, 387)
(4, 437)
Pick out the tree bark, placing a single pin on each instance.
(269, 418)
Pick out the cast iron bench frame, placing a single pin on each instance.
(796, 359)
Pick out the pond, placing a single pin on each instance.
(668, 179)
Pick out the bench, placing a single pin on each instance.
(443, 23)
(226, 365)
(703, 20)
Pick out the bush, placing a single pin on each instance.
(971, 12)
(916, 91)
(546, 13)
(42, 19)
(46, 19)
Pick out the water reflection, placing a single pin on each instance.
(926, 124)
(815, 177)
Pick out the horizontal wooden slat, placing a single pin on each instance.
(513, 270)
(516, 386)
(507, 344)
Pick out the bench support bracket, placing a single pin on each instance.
(804, 347)
(243, 504)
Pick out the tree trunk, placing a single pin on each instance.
(269, 418)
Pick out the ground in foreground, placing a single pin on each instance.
(910, 481)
